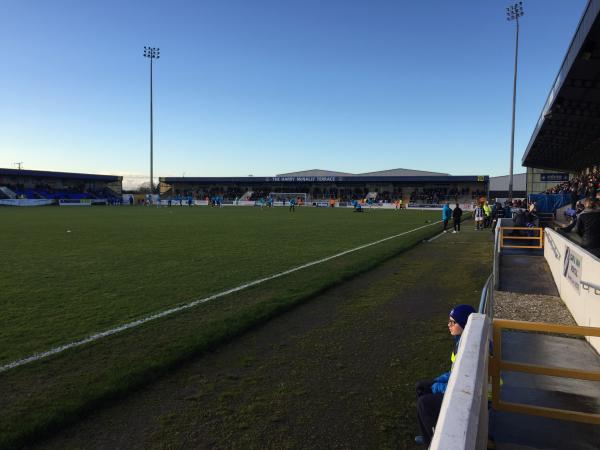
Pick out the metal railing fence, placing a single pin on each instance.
(497, 364)
(552, 245)
(539, 238)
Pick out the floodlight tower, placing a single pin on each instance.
(151, 53)
(513, 12)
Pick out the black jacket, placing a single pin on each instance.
(456, 213)
(588, 227)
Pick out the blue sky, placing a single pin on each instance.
(272, 86)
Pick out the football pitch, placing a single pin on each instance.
(71, 272)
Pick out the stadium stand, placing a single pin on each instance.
(55, 186)
(580, 186)
(416, 187)
(7, 193)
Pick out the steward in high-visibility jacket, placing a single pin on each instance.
(430, 393)
(487, 210)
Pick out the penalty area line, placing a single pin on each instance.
(168, 312)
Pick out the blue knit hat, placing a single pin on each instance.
(461, 313)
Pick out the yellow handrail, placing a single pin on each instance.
(539, 237)
(497, 364)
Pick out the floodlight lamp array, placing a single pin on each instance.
(151, 52)
(513, 12)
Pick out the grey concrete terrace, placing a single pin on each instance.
(524, 277)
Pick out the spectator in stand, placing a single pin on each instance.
(588, 226)
(574, 198)
(446, 214)
(592, 189)
(456, 216)
(573, 215)
(430, 393)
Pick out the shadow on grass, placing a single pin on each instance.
(39, 399)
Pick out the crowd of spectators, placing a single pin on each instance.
(585, 222)
(442, 195)
(584, 214)
(344, 194)
(584, 185)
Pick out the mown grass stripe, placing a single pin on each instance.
(103, 334)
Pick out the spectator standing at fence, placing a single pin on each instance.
(430, 393)
(507, 212)
(588, 226)
(446, 214)
(497, 210)
(456, 216)
(532, 217)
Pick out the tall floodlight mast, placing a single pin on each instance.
(513, 12)
(151, 53)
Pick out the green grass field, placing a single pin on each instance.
(68, 273)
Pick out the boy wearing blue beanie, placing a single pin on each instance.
(430, 393)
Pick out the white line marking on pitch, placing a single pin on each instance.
(435, 237)
(96, 336)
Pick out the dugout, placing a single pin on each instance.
(386, 186)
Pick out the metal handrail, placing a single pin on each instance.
(497, 364)
(553, 245)
(587, 285)
(486, 302)
(496, 258)
(538, 238)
